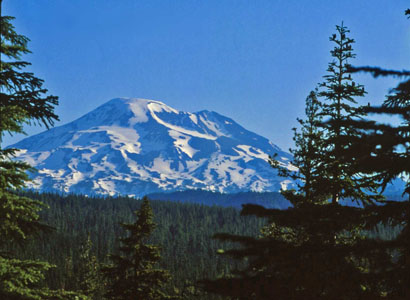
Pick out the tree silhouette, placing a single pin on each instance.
(307, 163)
(315, 249)
(23, 100)
(133, 274)
(339, 177)
(88, 277)
(383, 150)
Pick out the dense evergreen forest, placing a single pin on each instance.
(184, 233)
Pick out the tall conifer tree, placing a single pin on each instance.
(89, 281)
(133, 274)
(340, 179)
(23, 100)
(315, 249)
(384, 150)
(307, 156)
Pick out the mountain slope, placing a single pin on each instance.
(137, 146)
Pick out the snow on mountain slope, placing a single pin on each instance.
(135, 146)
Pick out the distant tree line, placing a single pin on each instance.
(266, 199)
(183, 233)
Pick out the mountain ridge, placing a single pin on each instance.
(132, 146)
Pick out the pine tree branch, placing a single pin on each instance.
(377, 71)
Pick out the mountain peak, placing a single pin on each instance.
(135, 110)
(134, 146)
(141, 102)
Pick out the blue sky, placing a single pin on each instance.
(253, 61)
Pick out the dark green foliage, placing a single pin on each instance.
(23, 100)
(20, 103)
(89, 279)
(184, 232)
(308, 252)
(22, 279)
(340, 177)
(384, 150)
(322, 145)
(317, 249)
(134, 273)
(326, 251)
(307, 156)
(381, 148)
(18, 215)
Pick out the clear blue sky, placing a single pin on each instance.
(253, 61)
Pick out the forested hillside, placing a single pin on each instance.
(184, 232)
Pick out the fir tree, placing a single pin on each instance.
(89, 282)
(23, 100)
(133, 274)
(309, 252)
(384, 150)
(70, 280)
(315, 249)
(307, 156)
(340, 178)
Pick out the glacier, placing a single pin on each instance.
(133, 146)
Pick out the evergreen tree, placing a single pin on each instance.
(189, 254)
(70, 280)
(23, 100)
(340, 178)
(315, 249)
(309, 252)
(307, 156)
(384, 150)
(88, 278)
(133, 274)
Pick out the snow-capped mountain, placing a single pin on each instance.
(135, 146)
